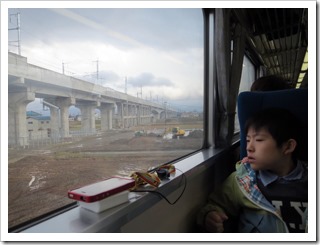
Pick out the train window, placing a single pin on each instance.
(96, 90)
(247, 78)
(121, 90)
(247, 75)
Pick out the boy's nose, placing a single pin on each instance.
(250, 147)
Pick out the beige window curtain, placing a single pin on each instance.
(228, 74)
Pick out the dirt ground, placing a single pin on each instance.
(39, 179)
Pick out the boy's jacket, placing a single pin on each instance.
(240, 197)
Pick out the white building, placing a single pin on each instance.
(38, 126)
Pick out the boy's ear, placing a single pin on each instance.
(289, 146)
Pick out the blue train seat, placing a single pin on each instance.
(294, 100)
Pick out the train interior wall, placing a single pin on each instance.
(181, 217)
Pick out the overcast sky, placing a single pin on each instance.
(157, 50)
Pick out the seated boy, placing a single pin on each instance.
(268, 192)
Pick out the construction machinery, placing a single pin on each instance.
(176, 131)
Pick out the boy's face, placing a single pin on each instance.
(263, 152)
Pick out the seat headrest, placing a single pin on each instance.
(294, 100)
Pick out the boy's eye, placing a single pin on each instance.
(259, 140)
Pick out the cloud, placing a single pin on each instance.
(128, 28)
(109, 77)
(96, 26)
(159, 51)
(148, 79)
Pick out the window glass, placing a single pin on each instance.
(247, 75)
(121, 91)
(247, 78)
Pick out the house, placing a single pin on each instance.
(38, 126)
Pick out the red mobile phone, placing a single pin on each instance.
(100, 190)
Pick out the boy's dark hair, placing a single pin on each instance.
(280, 123)
(270, 83)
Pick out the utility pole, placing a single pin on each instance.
(165, 117)
(141, 91)
(125, 85)
(62, 67)
(97, 74)
(17, 28)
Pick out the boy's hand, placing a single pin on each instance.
(214, 221)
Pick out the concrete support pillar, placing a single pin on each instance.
(150, 114)
(59, 116)
(88, 123)
(55, 122)
(126, 115)
(17, 117)
(120, 114)
(64, 104)
(145, 115)
(156, 115)
(138, 114)
(130, 115)
(106, 116)
(142, 114)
